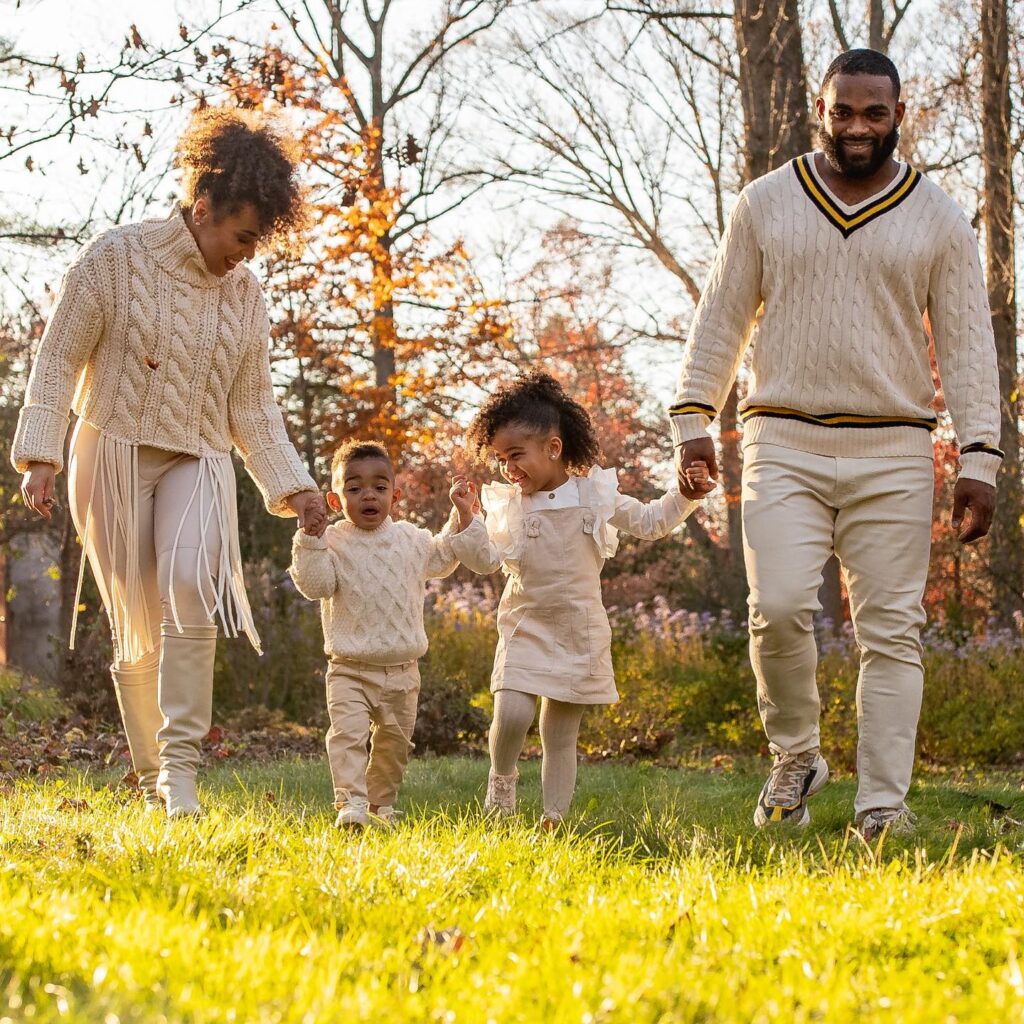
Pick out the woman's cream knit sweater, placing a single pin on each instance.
(147, 345)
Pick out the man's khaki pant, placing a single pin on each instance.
(876, 515)
(366, 700)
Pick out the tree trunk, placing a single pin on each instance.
(773, 85)
(382, 329)
(4, 611)
(732, 470)
(1007, 551)
(70, 560)
(876, 27)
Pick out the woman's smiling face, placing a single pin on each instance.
(224, 240)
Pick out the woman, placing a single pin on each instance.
(159, 342)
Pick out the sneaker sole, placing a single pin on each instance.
(818, 783)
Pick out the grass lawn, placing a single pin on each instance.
(659, 904)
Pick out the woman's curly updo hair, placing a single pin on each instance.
(538, 403)
(239, 158)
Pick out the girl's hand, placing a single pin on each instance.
(311, 511)
(465, 498)
(37, 487)
(698, 478)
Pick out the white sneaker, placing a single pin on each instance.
(501, 794)
(794, 779)
(354, 816)
(897, 821)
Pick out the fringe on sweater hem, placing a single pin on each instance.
(116, 477)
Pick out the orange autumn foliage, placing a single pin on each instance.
(379, 328)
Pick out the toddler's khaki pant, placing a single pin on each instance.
(876, 515)
(367, 701)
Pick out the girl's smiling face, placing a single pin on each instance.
(531, 460)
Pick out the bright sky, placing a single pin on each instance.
(57, 193)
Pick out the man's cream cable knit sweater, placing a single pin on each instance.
(833, 299)
(148, 346)
(371, 585)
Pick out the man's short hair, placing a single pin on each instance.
(862, 62)
(353, 450)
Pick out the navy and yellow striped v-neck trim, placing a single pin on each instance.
(847, 223)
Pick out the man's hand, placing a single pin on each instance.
(37, 487)
(465, 498)
(702, 449)
(980, 500)
(311, 510)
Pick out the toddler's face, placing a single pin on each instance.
(533, 461)
(365, 491)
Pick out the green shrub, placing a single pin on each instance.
(24, 699)
(685, 681)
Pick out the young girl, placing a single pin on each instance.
(158, 340)
(550, 528)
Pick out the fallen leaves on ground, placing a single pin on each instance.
(44, 749)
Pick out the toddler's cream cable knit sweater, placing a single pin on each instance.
(371, 585)
(832, 298)
(147, 345)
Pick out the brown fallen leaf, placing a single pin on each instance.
(445, 940)
(70, 803)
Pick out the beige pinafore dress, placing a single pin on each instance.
(554, 639)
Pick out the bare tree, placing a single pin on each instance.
(880, 21)
(400, 104)
(622, 128)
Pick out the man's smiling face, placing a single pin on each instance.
(859, 118)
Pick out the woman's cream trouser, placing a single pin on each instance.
(876, 515)
(165, 693)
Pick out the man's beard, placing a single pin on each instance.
(833, 150)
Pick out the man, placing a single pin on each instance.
(828, 267)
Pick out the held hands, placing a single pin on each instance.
(979, 499)
(465, 498)
(37, 488)
(696, 468)
(311, 510)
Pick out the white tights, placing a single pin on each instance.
(559, 729)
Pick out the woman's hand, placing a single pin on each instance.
(37, 488)
(311, 510)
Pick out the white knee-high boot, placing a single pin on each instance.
(136, 689)
(186, 700)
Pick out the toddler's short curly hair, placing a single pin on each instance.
(539, 403)
(240, 158)
(354, 449)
